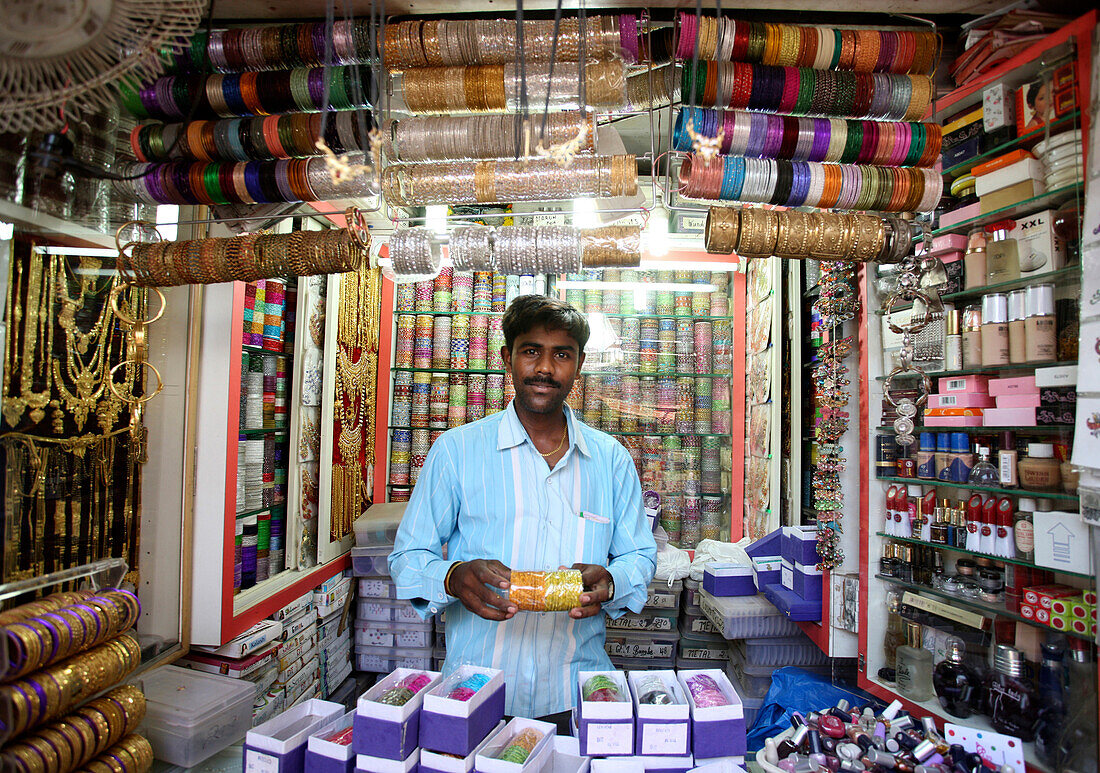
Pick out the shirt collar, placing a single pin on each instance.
(511, 433)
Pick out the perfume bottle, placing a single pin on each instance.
(1002, 258)
(984, 473)
(914, 667)
(1011, 701)
(1077, 746)
(955, 682)
(895, 629)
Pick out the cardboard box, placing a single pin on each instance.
(1026, 400)
(661, 730)
(638, 764)
(954, 417)
(434, 762)
(963, 384)
(606, 729)
(722, 578)
(716, 731)
(485, 761)
(328, 750)
(998, 107)
(1061, 542)
(390, 732)
(1034, 105)
(955, 216)
(1009, 417)
(1010, 195)
(1043, 596)
(1061, 376)
(766, 571)
(1048, 416)
(1039, 249)
(1012, 386)
(279, 745)
(1023, 170)
(458, 727)
(800, 544)
(1058, 397)
(364, 763)
(961, 400)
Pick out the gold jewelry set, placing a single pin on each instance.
(355, 388)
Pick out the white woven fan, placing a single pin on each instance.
(60, 55)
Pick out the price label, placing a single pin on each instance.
(668, 738)
(604, 738)
(258, 762)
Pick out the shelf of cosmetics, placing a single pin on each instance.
(932, 660)
(956, 459)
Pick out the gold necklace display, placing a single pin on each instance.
(356, 377)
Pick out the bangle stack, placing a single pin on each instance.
(830, 236)
(805, 183)
(836, 140)
(244, 258)
(859, 50)
(82, 735)
(46, 695)
(491, 182)
(441, 138)
(42, 639)
(435, 42)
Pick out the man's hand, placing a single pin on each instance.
(468, 583)
(597, 583)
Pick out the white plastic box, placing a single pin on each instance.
(191, 716)
(745, 617)
(384, 611)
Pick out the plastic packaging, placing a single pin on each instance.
(372, 634)
(521, 746)
(706, 692)
(557, 591)
(443, 138)
(505, 181)
(468, 687)
(618, 246)
(652, 690)
(602, 688)
(382, 611)
(405, 690)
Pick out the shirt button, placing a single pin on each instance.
(434, 610)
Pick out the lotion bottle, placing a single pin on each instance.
(1040, 329)
(1017, 312)
(994, 329)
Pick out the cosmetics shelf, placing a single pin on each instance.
(985, 607)
(1023, 366)
(1067, 275)
(1016, 492)
(1023, 141)
(1056, 429)
(1049, 200)
(977, 554)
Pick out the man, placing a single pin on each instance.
(533, 488)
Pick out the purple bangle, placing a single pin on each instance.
(15, 664)
(887, 52)
(903, 141)
(252, 181)
(822, 133)
(628, 36)
(800, 187)
(316, 83)
(728, 121)
(774, 139)
(42, 700)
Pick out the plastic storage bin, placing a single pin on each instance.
(752, 705)
(757, 679)
(779, 652)
(691, 594)
(662, 596)
(651, 647)
(377, 588)
(384, 611)
(369, 634)
(378, 525)
(438, 656)
(658, 620)
(382, 660)
(371, 561)
(192, 715)
(745, 617)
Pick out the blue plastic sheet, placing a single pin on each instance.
(795, 689)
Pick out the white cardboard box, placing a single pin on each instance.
(486, 760)
(1062, 541)
(1039, 249)
(660, 729)
(449, 763)
(367, 764)
(605, 728)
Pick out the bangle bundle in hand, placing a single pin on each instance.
(496, 87)
(246, 258)
(435, 42)
(804, 91)
(43, 639)
(440, 138)
(48, 694)
(557, 591)
(809, 184)
(823, 48)
(836, 140)
(493, 182)
(756, 233)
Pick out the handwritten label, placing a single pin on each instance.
(629, 650)
(604, 738)
(659, 600)
(258, 762)
(373, 589)
(641, 623)
(665, 738)
(702, 625)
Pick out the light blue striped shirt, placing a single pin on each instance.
(486, 492)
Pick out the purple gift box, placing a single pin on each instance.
(606, 729)
(800, 544)
(661, 730)
(767, 571)
(792, 605)
(768, 545)
(366, 764)
(805, 580)
(434, 762)
(279, 745)
(485, 761)
(457, 727)
(390, 732)
(716, 731)
(323, 756)
(722, 578)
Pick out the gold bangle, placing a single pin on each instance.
(447, 577)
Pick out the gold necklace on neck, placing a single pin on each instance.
(564, 435)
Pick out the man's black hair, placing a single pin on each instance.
(530, 311)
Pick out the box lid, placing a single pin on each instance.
(768, 545)
(1000, 162)
(181, 696)
(378, 525)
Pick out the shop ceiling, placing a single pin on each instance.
(231, 10)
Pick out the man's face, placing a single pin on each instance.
(544, 364)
